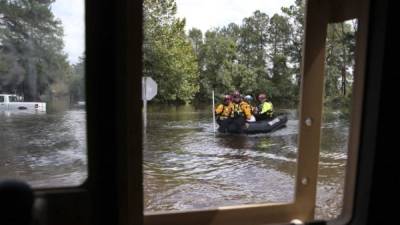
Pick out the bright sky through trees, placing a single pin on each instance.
(202, 14)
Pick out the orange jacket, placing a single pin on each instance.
(242, 109)
(224, 111)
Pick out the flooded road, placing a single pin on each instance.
(46, 150)
(186, 165)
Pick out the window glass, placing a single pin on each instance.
(197, 51)
(13, 98)
(1, 98)
(339, 67)
(42, 60)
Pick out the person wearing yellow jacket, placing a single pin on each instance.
(224, 111)
(241, 109)
(249, 100)
(241, 113)
(265, 110)
(224, 114)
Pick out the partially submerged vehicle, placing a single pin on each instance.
(263, 126)
(9, 102)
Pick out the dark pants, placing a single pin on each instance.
(237, 124)
(263, 116)
(224, 124)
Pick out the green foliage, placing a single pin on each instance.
(278, 51)
(168, 54)
(340, 46)
(253, 40)
(196, 38)
(217, 62)
(76, 81)
(295, 13)
(261, 54)
(31, 59)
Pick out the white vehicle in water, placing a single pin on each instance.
(14, 103)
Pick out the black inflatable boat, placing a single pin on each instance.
(263, 126)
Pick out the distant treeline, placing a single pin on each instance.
(262, 54)
(32, 61)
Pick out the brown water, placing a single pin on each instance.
(186, 165)
(46, 149)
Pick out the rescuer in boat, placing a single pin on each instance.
(249, 100)
(224, 112)
(241, 112)
(265, 109)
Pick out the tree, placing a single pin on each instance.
(262, 54)
(296, 19)
(168, 54)
(31, 38)
(232, 31)
(77, 81)
(340, 45)
(196, 38)
(278, 52)
(217, 63)
(253, 40)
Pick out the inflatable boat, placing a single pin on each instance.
(263, 126)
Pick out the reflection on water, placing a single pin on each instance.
(187, 166)
(46, 150)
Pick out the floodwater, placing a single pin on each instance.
(186, 165)
(44, 149)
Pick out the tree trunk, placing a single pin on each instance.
(344, 80)
(344, 62)
(31, 75)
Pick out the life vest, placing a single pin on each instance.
(266, 108)
(224, 111)
(242, 109)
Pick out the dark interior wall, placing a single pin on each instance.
(385, 179)
(113, 68)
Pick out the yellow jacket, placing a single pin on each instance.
(267, 108)
(242, 109)
(224, 111)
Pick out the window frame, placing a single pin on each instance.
(317, 17)
(113, 97)
(110, 196)
(12, 98)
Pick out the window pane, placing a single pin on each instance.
(339, 67)
(43, 118)
(250, 46)
(12, 99)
